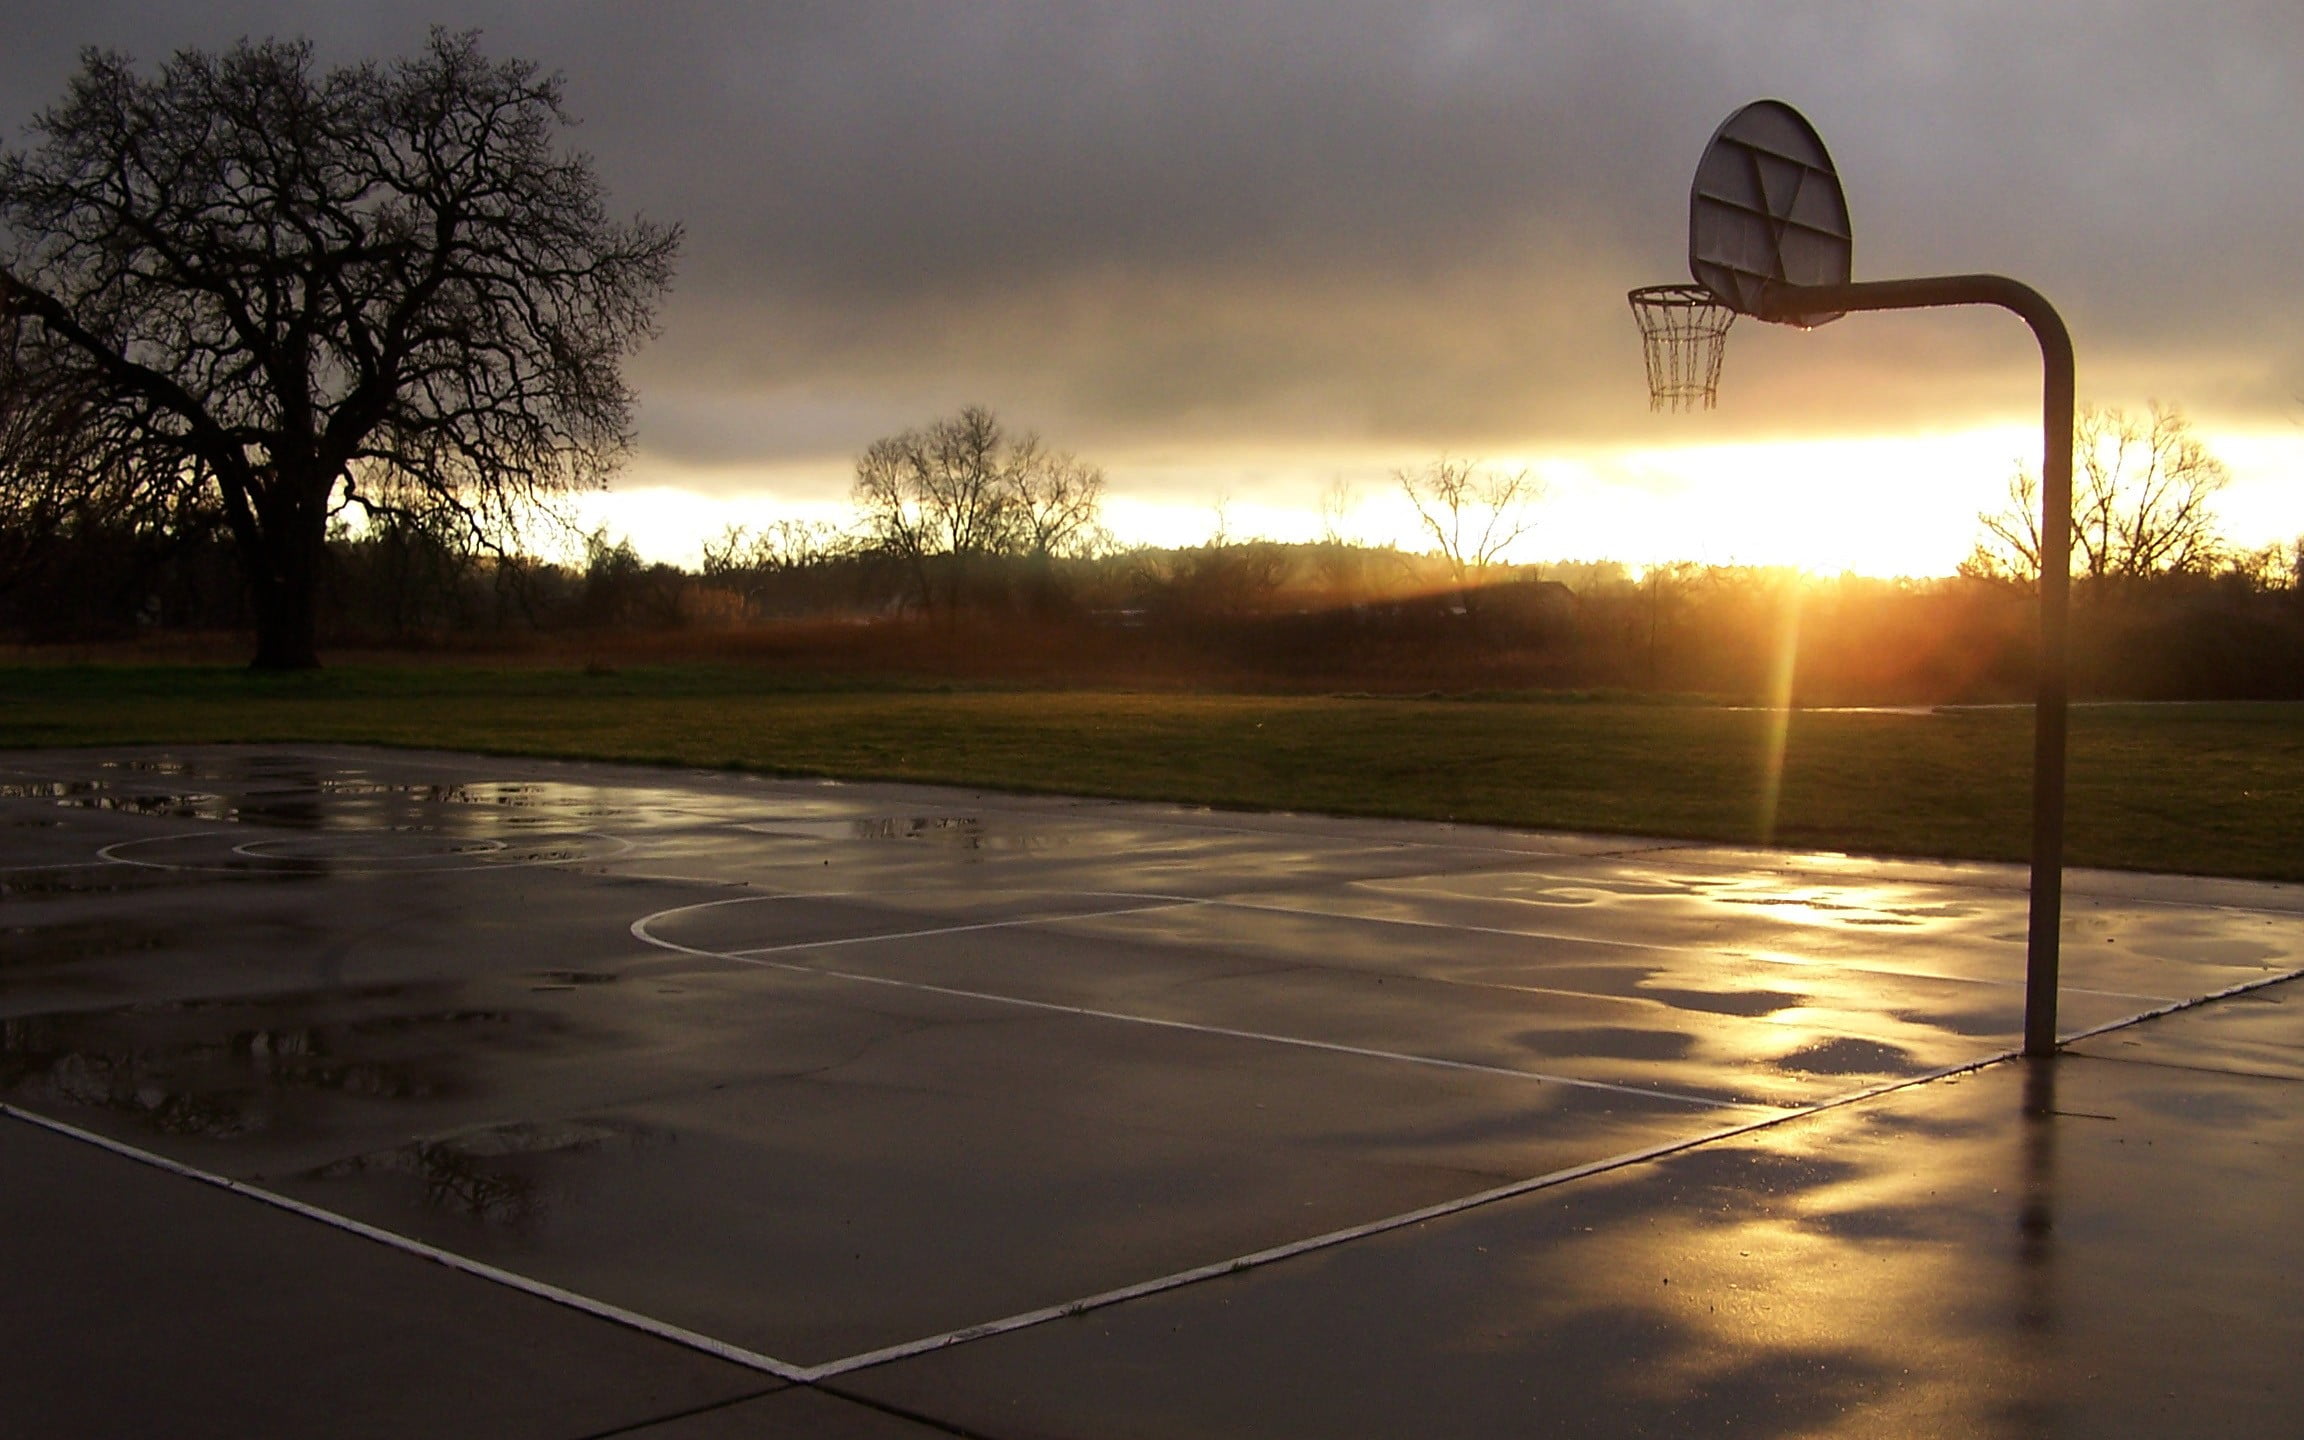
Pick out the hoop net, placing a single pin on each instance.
(1683, 329)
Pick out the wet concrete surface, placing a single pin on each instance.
(798, 1412)
(824, 1070)
(134, 1302)
(2094, 1248)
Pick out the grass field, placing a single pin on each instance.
(2206, 789)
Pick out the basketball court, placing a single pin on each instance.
(835, 1087)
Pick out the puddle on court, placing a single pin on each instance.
(1850, 1055)
(1744, 1004)
(953, 832)
(43, 789)
(227, 1069)
(1612, 1042)
(1992, 1019)
(95, 795)
(301, 797)
(505, 1176)
(1858, 906)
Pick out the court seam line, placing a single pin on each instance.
(479, 1269)
(2174, 1006)
(640, 932)
(708, 1408)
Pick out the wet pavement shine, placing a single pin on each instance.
(364, 1092)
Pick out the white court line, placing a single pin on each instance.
(284, 865)
(60, 865)
(734, 1354)
(929, 934)
(254, 850)
(642, 932)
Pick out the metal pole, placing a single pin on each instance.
(1790, 303)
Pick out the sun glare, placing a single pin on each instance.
(1903, 505)
(1886, 506)
(1782, 665)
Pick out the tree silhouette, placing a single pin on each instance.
(1472, 513)
(2142, 503)
(946, 496)
(383, 286)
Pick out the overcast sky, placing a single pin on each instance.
(1187, 231)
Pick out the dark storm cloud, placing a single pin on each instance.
(1342, 220)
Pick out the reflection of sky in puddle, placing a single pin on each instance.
(1893, 906)
(500, 1175)
(958, 832)
(351, 818)
(309, 797)
(95, 795)
(227, 1069)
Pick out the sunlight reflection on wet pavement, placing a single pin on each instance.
(818, 1068)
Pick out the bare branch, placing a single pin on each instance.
(1474, 515)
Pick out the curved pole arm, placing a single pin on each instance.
(1808, 304)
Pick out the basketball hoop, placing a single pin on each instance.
(1768, 236)
(1683, 329)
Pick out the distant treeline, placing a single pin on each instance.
(1258, 614)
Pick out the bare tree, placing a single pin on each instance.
(380, 286)
(1473, 514)
(942, 498)
(936, 499)
(780, 547)
(1059, 500)
(2142, 502)
(1342, 563)
(785, 561)
(2010, 547)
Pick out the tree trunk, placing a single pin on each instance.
(287, 628)
(286, 625)
(282, 553)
